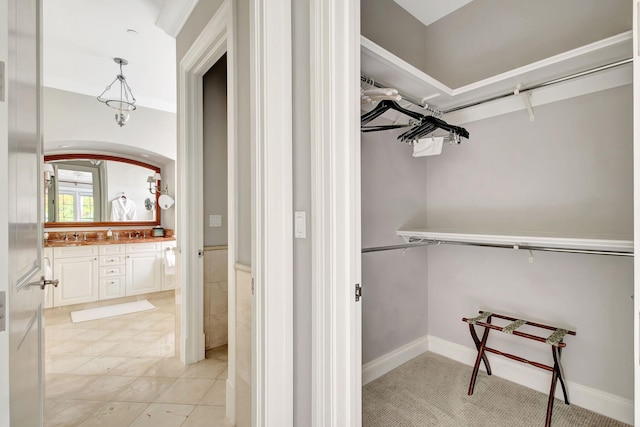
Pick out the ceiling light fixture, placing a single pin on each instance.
(123, 102)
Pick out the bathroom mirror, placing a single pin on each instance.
(91, 190)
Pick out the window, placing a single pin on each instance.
(75, 195)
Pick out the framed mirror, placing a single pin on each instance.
(93, 190)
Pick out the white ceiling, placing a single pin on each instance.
(429, 11)
(81, 38)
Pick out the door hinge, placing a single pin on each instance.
(358, 292)
(3, 306)
(253, 287)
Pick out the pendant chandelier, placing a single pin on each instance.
(123, 100)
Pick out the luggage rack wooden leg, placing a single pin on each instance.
(477, 343)
(480, 346)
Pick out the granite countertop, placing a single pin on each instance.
(120, 241)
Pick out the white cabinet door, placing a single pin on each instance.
(143, 273)
(78, 280)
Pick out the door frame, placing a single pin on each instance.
(271, 213)
(216, 39)
(335, 187)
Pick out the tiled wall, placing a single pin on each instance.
(243, 346)
(216, 290)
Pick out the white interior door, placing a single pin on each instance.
(24, 347)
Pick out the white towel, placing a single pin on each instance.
(169, 262)
(430, 146)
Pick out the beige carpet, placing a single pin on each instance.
(431, 390)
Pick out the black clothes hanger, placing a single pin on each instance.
(425, 125)
(385, 105)
(429, 125)
(378, 128)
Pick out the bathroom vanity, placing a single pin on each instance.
(95, 270)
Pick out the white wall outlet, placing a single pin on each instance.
(300, 225)
(215, 220)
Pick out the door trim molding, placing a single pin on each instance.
(272, 213)
(216, 39)
(335, 186)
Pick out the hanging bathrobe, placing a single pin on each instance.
(123, 209)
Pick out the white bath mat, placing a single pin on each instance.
(110, 311)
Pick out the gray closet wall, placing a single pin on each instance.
(569, 172)
(394, 195)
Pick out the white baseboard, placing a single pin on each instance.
(380, 366)
(604, 403)
(231, 402)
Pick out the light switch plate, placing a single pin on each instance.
(215, 220)
(300, 225)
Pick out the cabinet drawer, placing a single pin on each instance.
(133, 248)
(112, 249)
(112, 270)
(75, 251)
(109, 260)
(112, 287)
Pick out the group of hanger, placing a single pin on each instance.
(421, 125)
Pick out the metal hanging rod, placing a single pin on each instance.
(434, 111)
(425, 242)
(541, 85)
(394, 247)
(526, 247)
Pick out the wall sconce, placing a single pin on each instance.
(153, 183)
(47, 169)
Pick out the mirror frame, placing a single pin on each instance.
(55, 157)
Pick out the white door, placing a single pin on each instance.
(22, 343)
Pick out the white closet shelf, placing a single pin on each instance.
(516, 240)
(384, 66)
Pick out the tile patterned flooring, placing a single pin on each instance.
(122, 372)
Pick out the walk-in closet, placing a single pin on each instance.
(528, 213)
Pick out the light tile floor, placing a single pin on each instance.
(122, 372)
